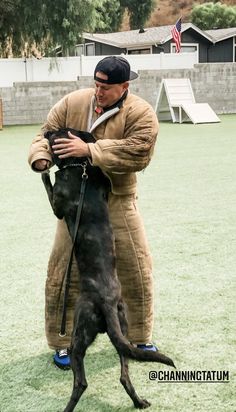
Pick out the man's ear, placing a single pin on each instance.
(125, 85)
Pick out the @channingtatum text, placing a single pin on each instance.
(183, 376)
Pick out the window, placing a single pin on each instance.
(185, 48)
(234, 50)
(79, 49)
(139, 51)
(87, 49)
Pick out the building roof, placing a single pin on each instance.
(150, 35)
(221, 34)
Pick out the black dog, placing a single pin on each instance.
(100, 307)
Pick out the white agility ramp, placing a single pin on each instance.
(176, 102)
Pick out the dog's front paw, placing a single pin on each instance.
(142, 404)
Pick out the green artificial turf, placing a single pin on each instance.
(187, 197)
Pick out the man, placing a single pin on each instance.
(125, 128)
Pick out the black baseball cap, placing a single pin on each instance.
(116, 68)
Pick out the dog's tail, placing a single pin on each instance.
(123, 346)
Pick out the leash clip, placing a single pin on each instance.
(84, 166)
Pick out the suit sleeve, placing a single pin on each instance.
(40, 148)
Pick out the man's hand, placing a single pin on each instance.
(41, 164)
(72, 147)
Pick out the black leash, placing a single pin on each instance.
(68, 269)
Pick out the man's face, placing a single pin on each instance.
(108, 94)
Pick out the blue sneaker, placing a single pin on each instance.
(147, 346)
(62, 359)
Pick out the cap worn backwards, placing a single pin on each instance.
(116, 68)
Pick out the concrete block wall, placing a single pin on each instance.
(213, 83)
(29, 103)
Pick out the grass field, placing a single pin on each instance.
(187, 196)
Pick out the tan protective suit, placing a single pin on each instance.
(125, 138)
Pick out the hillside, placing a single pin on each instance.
(168, 11)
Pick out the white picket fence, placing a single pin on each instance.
(70, 68)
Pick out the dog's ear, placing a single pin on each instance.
(48, 134)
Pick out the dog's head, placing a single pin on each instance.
(55, 134)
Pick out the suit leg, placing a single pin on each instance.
(134, 265)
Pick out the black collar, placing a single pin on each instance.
(118, 104)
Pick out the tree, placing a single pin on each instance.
(44, 24)
(108, 15)
(139, 11)
(213, 15)
(7, 19)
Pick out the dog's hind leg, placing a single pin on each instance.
(86, 327)
(124, 378)
(80, 383)
(125, 381)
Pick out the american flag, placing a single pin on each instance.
(176, 34)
